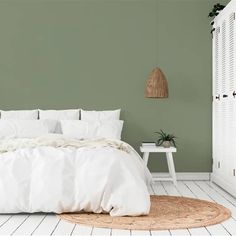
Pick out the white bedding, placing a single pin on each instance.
(57, 174)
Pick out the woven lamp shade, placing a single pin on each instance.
(157, 85)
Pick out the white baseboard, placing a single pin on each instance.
(224, 184)
(185, 175)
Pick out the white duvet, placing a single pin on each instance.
(57, 174)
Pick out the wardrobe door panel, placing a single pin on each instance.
(224, 98)
(232, 94)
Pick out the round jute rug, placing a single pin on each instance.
(167, 212)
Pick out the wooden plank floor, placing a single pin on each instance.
(49, 224)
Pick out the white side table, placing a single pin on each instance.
(169, 158)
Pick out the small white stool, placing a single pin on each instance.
(169, 158)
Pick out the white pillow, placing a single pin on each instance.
(20, 115)
(57, 115)
(26, 128)
(98, 129)
(100, 115)
(70, 114)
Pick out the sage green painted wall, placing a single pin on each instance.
(97, 54)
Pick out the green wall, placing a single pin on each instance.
(97, 54)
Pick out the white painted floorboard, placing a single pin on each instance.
(47, 226)
(50, 224)
(119, 232)
(101, 232)
(141, 233)
(64, 228)
(30, 224)
(13, 224)
(80, 230)
(160, 233)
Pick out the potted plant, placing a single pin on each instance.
(166, 140)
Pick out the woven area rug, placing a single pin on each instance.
(167, 212)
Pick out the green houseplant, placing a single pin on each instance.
(216, 9)
(166, 140)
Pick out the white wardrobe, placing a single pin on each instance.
(224, 98)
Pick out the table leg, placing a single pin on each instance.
(145, 157)
(171, 166)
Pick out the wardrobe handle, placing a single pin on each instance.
(225, 95)
(234, 94)
(233, 172)
(218, 97)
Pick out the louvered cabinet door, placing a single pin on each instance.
(219, 87)
(232, 95)
(226, 101)
(224, 98)
(216, 131)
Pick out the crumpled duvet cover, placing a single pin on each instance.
(58, 174)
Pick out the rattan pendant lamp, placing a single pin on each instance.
(156, 85)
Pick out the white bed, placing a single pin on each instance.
(60, 173)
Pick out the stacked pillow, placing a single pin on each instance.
(58, 115)
(26, 128)
(69, 114)
(94, 124)
(20, 115)
(34, 123)
(100, 115)
(24, 124)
